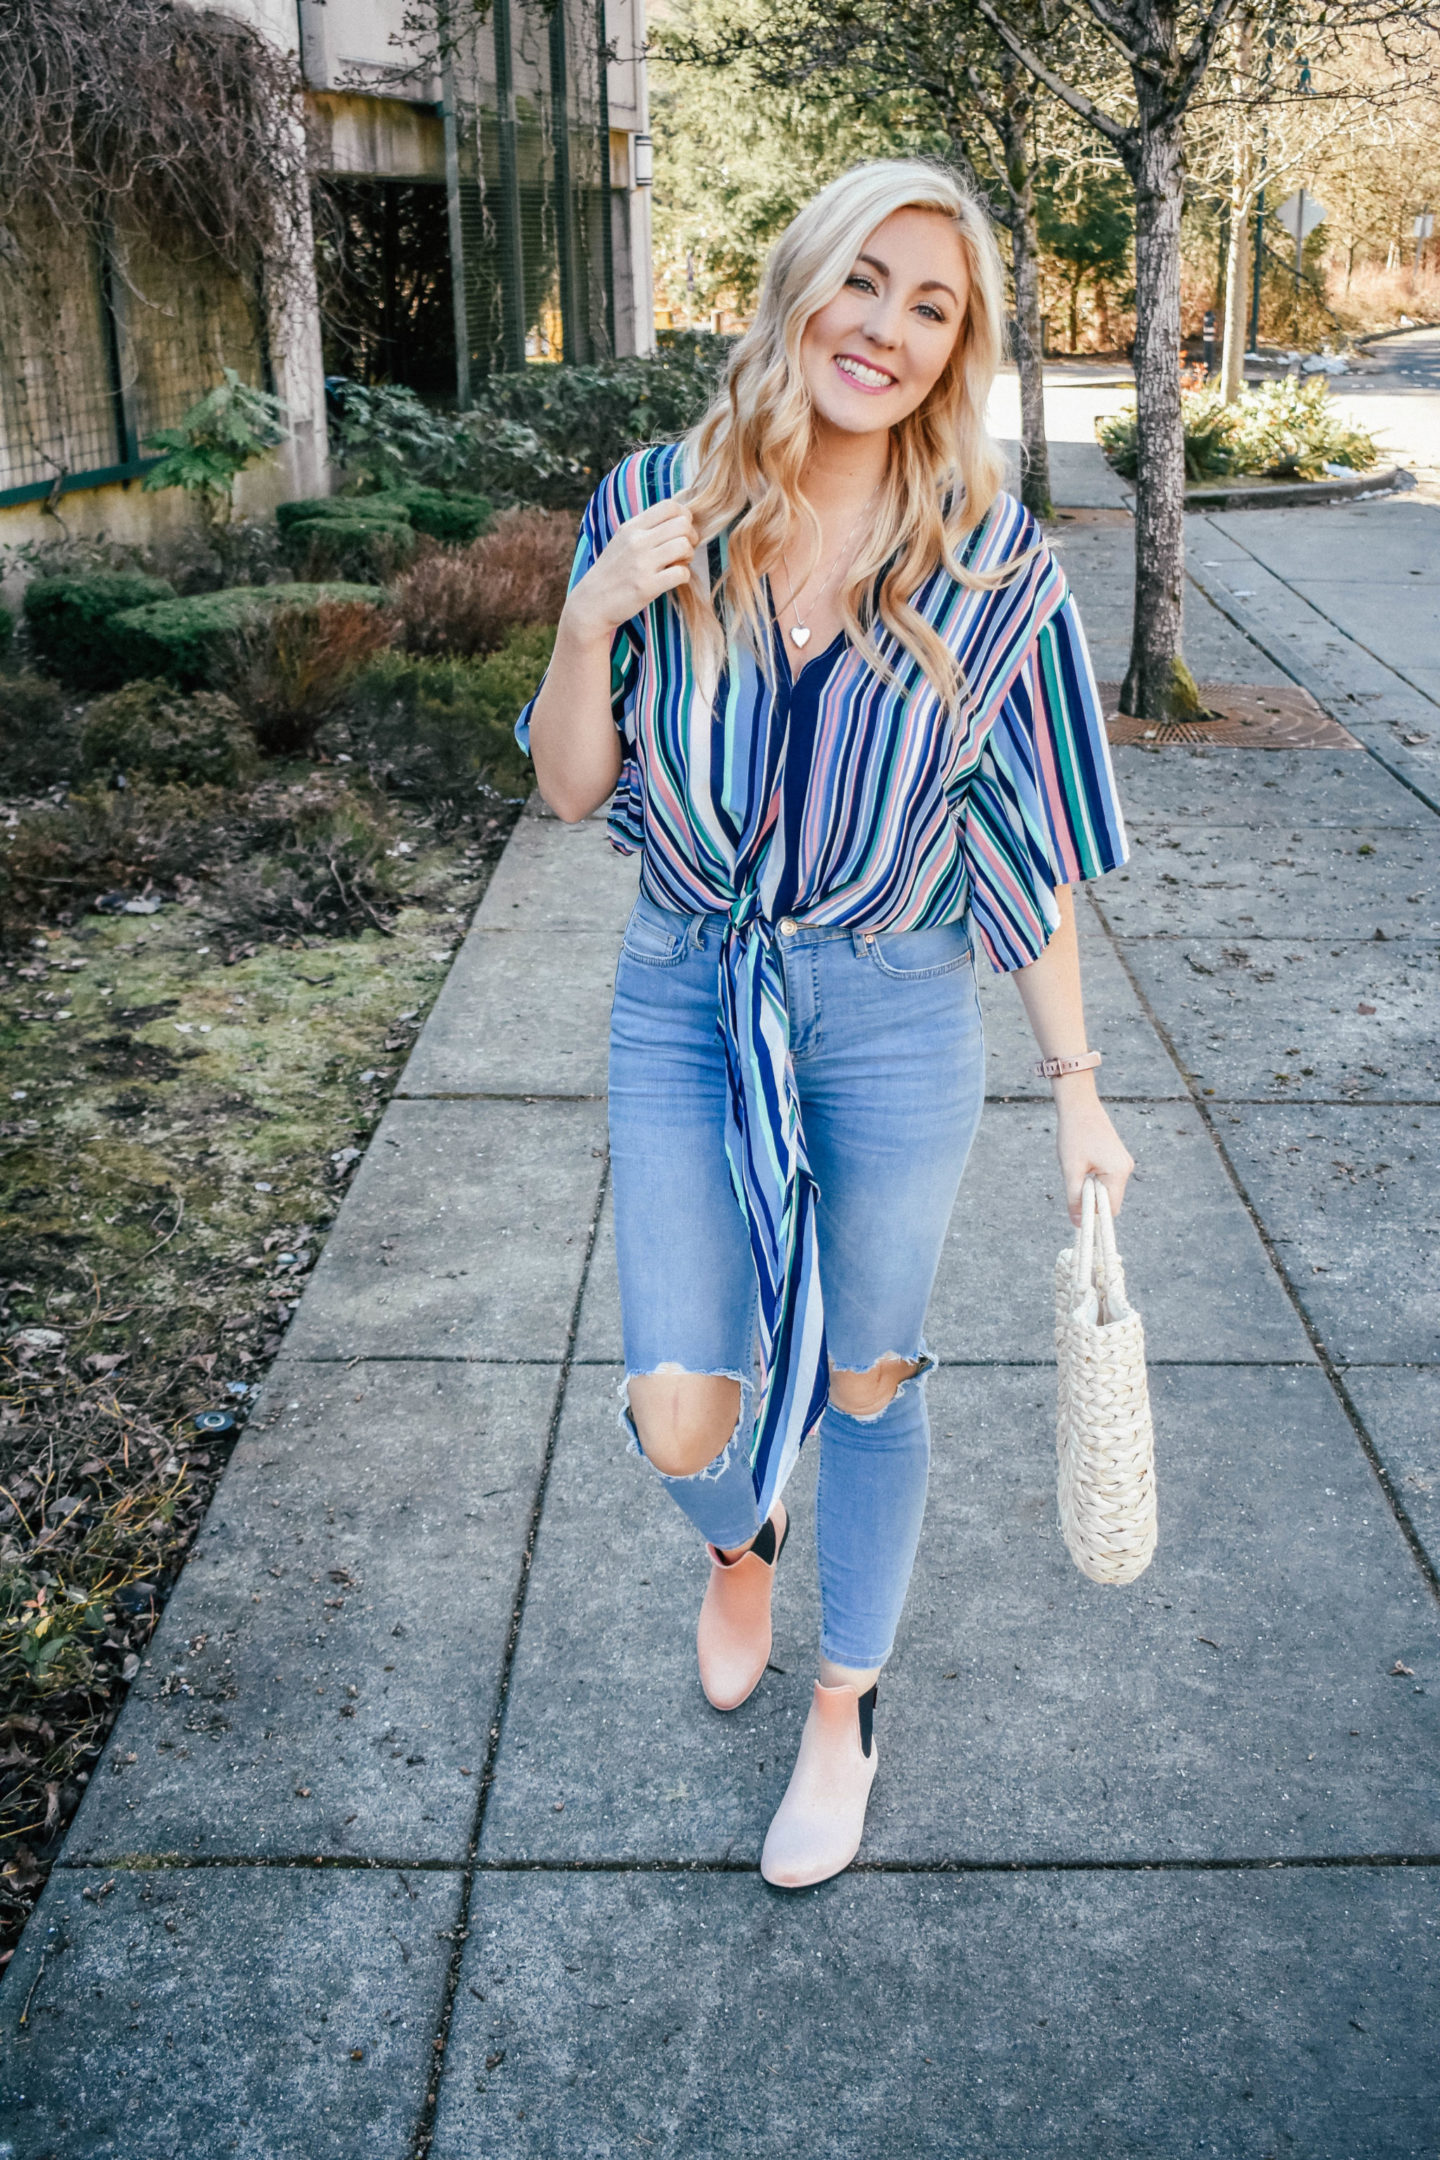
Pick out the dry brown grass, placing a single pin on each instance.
(60, 858)
(462, 602)
(1373, 298)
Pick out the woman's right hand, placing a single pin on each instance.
(649, 555)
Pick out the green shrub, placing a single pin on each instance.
(37, 733)
(581, 421)
(372, 537)
(453, 520)
(7, 632)
(182, 639)
(358, 550)
(386, 436)
(152, 729)
(1285, 430)
(223, 432)
(541, 435)
(1209, 426)
(1291, 430)
(387, 509)
(369, 538)
(73, 624)
(442, 727)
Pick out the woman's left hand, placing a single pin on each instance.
(1087, 1143)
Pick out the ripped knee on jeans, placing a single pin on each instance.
(867, 1393)
(682, 1421)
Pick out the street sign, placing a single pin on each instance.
(1423, 226)
(1300, 214)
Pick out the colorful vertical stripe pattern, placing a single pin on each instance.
(904, 816)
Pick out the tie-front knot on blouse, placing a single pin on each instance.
(844, 797)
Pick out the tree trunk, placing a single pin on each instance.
(1025, 261)
(1034, 448)
(1237, 252)
(1237, 272)
(1158, 685)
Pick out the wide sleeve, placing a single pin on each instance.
(617, 497)
(1041, 809)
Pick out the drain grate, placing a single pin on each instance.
(1248, 716)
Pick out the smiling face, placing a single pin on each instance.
(875, 352)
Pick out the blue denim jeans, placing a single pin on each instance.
(889, 1063)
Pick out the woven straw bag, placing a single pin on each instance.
(1103, 1436)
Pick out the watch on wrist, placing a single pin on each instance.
(1055, 1068)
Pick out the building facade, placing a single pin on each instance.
(481, 202)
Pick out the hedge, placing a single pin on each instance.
(368, 551)
(383, 509)
(454, 520)
(177, 639)
(73, 623)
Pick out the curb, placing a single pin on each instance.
(1292, 494)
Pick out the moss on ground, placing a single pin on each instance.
(179, 1118)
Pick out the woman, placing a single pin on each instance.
(835, 683)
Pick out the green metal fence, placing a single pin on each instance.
(527, 141)
(102, 342)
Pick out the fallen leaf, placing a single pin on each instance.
(38, 1338)
(1367, 1009)
(1400, 1672)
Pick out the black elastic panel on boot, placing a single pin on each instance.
(867, 1719)
(763, 1543)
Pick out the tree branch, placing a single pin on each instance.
(1119, 28)
(1077, 101)
(1197, 60)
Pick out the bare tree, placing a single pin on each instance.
(957, 78)
(1289, 101)
(1167, 47)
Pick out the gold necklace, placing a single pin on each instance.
(800, 629)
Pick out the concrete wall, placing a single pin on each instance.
(628, 99)
(375, 105)
(299, 467)
(381, 138)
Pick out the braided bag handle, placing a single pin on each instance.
(1105, 1443)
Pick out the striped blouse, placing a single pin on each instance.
(906, 818)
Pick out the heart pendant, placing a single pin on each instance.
(799, 635)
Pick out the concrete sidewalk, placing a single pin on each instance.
(416, 1832)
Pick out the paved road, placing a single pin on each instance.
(1413, 355)
(416, 1832)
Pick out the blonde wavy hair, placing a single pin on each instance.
(746, 456)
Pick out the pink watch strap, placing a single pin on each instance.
(1055, 1068)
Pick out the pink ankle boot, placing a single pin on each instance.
(819, 1824)
(733, 1636)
